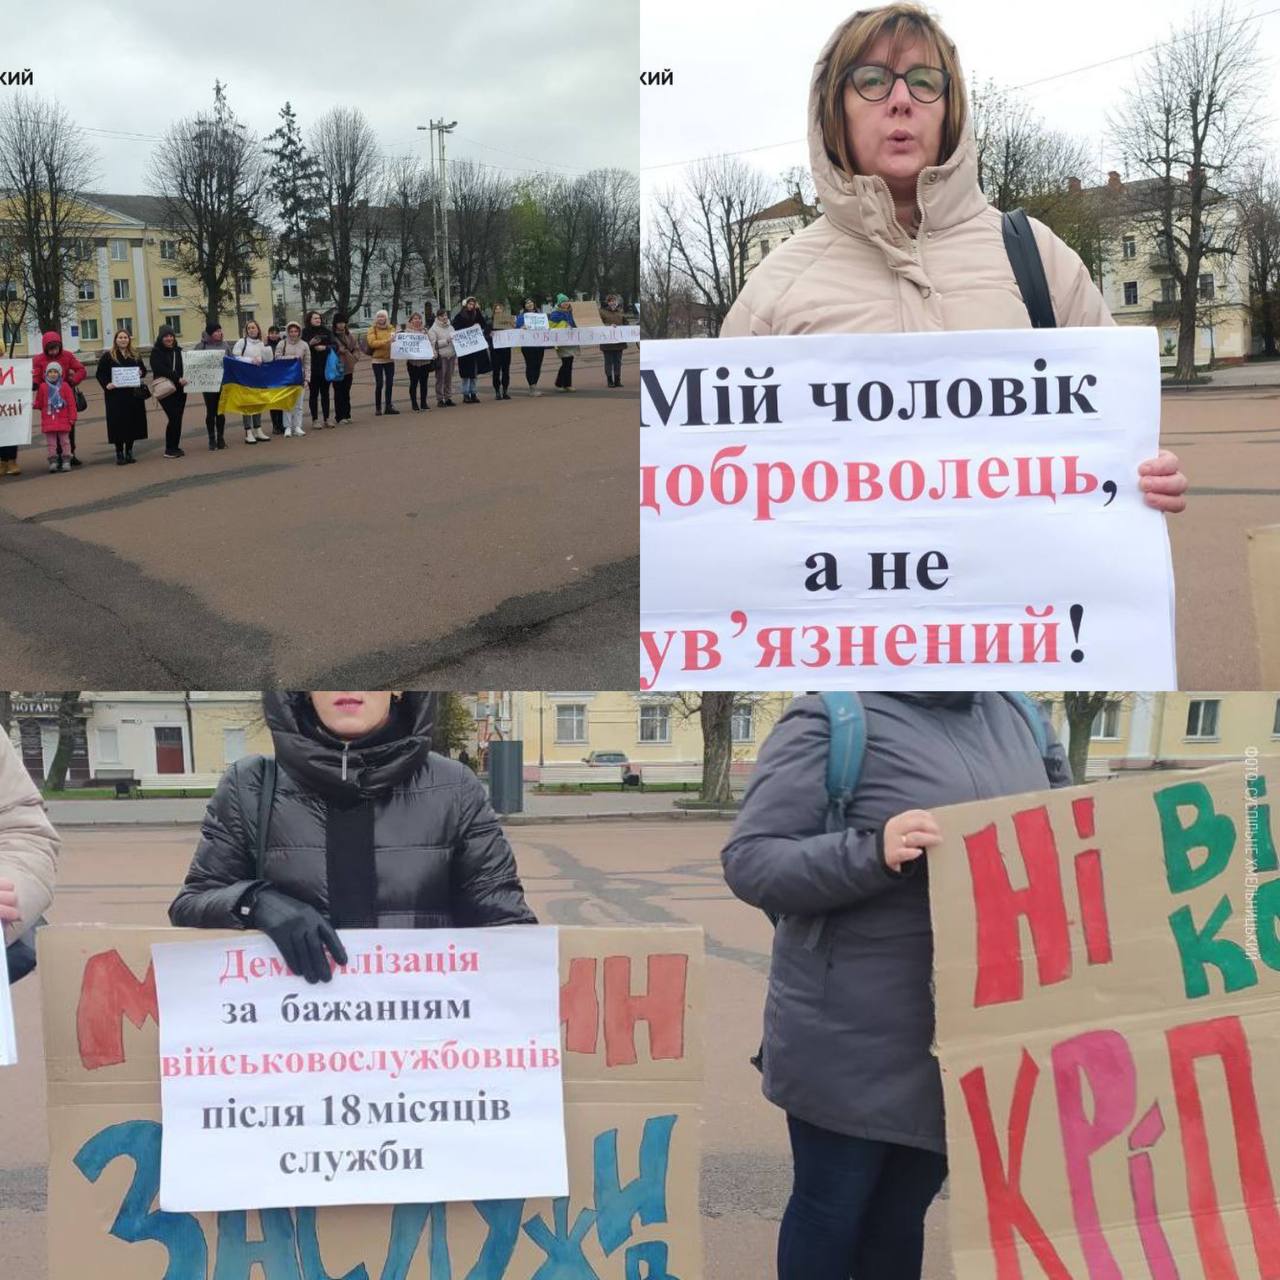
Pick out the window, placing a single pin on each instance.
(743, 727)
(86, 291)
(1202, 718)
(89, 330)
(1168, 289)
(384, 280)
(174, 323)
(248, 315)
(655, 722)
(367, 311)
(169, 287)
(244, 283)
(1275, 727)
(1130, 247)
(108, 746)
(1106, 724)
(571, 722)
(12, 334)
(126, 323)
(1206, 288)
(1130, 293)
(764, 247)
(82, 249)
(120, 290)
(168, 250)
(170, 757)
(234, 745)
(9, 289)
(119, 250)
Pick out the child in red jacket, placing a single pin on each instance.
(56, 402)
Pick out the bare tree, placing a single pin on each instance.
(15, 302)
(710, 219)
(480, 201)
(1259, 200)
(614, 196)
(45, 167)
(210, 178)
(1188, 125)
(797, 182)
(657, 287)
(344, 144)
(406, 212)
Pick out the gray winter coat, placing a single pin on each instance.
(848, 1021)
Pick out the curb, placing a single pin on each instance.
(1175, 389)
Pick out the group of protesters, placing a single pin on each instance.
(328, 354)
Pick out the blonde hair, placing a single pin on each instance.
(129, 354)
(903, 24)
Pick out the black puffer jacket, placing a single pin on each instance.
(440, 857)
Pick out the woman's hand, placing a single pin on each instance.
(8, 903)
(182, 382)
(300, 932)
(1162, 483)
(908, 835)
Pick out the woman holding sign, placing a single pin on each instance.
(419, 370)
(849, 1014)
(532, 355)
(561, 317)
(472, 366)
(356, 825)
(120, 373)
(907, 242)
(28, 857)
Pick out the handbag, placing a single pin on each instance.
(333, 370)
(81, 403)
(161, 387)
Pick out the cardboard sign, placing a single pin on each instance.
(630, 1005)
(903, 511)
(411, 345)
(1264, 574)
(469, 341)
(8, 1034)
(441, 1049)
(126, 375)
(1107, 978)
(15, 402)
(203, 370)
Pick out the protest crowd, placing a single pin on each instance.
(306, 366)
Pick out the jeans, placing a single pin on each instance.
(419, 378)
(319, 395)
(292, 417)
(468, 386)
(857, 1207)
(383, 374)
(564, 376)
(215, 423)
(501, 368)
(533, 363)
(342, 398)
(252, 421)
(613, 366)
(445, 366)
(174, 406)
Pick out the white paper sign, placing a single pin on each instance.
(411, 345)
(438, 1081)
(126, 375)
(910, 511)
(15, 402)
(203, 370)
(588, 335)
(8, 1035)
(534, 320)
(469, 341)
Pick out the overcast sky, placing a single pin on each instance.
(531, 86)
(742, 70)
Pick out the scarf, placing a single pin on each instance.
(55, 396)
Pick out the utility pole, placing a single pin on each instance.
(440, 213)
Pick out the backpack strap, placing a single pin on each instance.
(845, 753)
(1030, 713)
(1028, 268)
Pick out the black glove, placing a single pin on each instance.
(301, 933)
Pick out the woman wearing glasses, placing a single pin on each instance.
(908, 242)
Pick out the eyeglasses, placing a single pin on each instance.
(875, 83)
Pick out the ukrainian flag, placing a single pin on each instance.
(255, 388)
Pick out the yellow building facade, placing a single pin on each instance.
(128, 277)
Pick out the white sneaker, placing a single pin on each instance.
(260, 435)
(297, 431)
(250, 438)
(288, 431)
(533, 391)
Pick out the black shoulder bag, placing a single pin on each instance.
(1028, 268)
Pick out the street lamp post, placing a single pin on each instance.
(441, 210)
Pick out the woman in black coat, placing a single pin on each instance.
(317, 336)
(166, 362)
(471, 367)
(367, 829)
(126, 406)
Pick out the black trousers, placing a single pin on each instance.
(501, 368)
(564, 376)
(320, 396)
(613, 366)
(342, 398)
(533, 363)
(419, 377)
(383, 374)
(173, 407)
(215, 423)
(8, 453)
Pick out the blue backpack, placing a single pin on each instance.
(849, 744)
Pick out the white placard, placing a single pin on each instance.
(411, 345)
(15, 402)
(903, 511)
(203, 370)
(450, 1077)
(588, 335)
(470, 341)
(534, 320)
(8, 1035)
(126, 375)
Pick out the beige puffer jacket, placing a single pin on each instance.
(855, 270)
(28, 842)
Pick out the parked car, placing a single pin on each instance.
(629, 774)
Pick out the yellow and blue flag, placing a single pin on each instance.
(255, 388)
